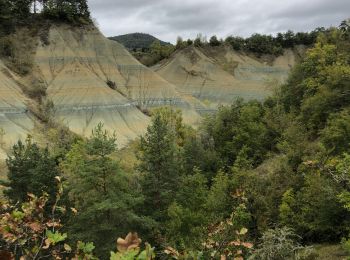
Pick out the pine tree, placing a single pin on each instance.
(188, 216)
(160, 166)
(100, 191)
(31, 170)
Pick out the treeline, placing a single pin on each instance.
(257, 180)
(15, 12)
(155, 51)
(257, 43)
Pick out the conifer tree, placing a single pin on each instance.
(31, 170)
(160, 166)
(100, 191)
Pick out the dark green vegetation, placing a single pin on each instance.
(258, 44)
(137, 41)
(149, 50)
(23, 20)
(145, 48)
(272, 174)
(20, 12)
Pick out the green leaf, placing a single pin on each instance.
(56, 237)
(87, 248)
(243, 231)
(18, 215)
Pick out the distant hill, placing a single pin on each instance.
(137, 40)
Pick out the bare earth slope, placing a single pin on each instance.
(15, 120)
(91, 79)
(76, 65)
(218, 75)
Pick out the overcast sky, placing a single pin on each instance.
(167, 19)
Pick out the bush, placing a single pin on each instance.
(111, 84)
(280, 243)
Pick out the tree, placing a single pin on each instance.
(345, 26)
(288, 209)
(261, 44)
(161, 51)
(199, 41)
(199, 153)
(237, 43)
(111, 198)
(231, 130)
(214, 41)
(219, 202)
(318, 86)
(6, 23)
(31, 170)
(336, 135)
(83, 9)
(189, 42)
(159, 165)
(187, 215)
(20, 8)
(180, 44)
(288, 39)
(315, 212)
(74, 11)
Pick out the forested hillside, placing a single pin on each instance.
(256, 180)
(150, 51)
(137, 41)
(144, 47)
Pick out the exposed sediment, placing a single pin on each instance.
(15, 119)
(91, 79)
(219, 75)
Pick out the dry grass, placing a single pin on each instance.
(328, 252)
(3, 176)
(127, 157)
(3, 170)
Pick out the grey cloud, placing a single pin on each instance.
(167, 19)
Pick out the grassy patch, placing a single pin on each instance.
(127, 157)
(3, 170)
(327, 252)
(3, 175)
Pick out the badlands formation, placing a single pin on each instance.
(91, 79)
(15, 120)
(217, 75)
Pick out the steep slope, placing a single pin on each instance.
(15, 120)
(92, 79)
(3, 155)
(218, 75)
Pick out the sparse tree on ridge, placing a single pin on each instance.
(214, 41)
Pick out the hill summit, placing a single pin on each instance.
(136, 41)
